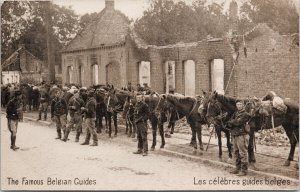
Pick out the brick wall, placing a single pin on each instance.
(271, 65)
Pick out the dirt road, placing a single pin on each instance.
(45, 163)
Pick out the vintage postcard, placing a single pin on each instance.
(149, 95)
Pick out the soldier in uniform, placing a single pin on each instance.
(90, 117)
(59, 112)
(75, 104)
(141, 115)
(240, 139)
(129, 87)
(44, 98)
(14, 114)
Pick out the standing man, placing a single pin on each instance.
(44, 98)
(240, 139)
(75, 105)
(59, 112)
(141, 115)
(90, 118)
(14, 114)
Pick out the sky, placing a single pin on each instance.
(132, 8)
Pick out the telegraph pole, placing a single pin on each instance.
(51, 64)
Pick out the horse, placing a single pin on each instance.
(101, 109)
(258, 121)
(186, 107)
(115, 100)
(157, 120)
(128, 115)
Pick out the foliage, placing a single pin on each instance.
(168, 22)
(25, 22)
(280, 15)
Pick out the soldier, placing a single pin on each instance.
(59, 112)
(240, 139)
(141, 115)
(14, 114)
(129, 87)
(44, 101)
(75, 104)
(90, 117)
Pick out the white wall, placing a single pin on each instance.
(10, 77)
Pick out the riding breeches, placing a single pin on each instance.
(240, 149)
(142, 136)
(12, 126)
(77, 121)
(61, 122)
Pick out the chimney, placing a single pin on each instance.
(109, 4)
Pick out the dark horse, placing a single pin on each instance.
(217, 114)
(157, 120)
(186, 107)
(115, 100)
(289, 120)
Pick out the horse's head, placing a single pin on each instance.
(128, 105)
(208, 97)
(111, 100)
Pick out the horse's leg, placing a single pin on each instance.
(293, 137)
(199, 134)
(162, 135)
(127, 125)
(115, 123)
(218, 131)
(193, 139)
(229, 146)
(109, 124)
(154, 131)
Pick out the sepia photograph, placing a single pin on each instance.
(149, 95)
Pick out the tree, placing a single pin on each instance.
(24, 22)
(168, 22)
(280, 15)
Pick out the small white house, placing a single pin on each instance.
(10, 77)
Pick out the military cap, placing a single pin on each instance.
(18, 92)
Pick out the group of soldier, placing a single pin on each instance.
(80, 105)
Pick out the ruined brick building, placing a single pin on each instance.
(108, 51)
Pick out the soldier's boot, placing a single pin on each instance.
(45, 117)
(145, 153)
(58, 134)
(40, 116)
(77, 137)
(139, 151)
(95, 140)
(87, 139)
(14, 147)
(244, 169)
(237, 168)
(235, 171)
(66, 135)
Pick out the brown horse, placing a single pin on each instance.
(258, 121)
(186, 107)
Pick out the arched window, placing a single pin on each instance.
(144, 72)
(189, 78)
(69, 74)
(170, 75)
(94, 69)
(95, 74)
(80, 70)
(217, 75)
